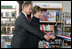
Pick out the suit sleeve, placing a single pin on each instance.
(22, 22)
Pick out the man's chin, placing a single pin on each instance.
(28, 14)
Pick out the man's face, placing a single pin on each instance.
(28, 9)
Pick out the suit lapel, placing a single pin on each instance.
(23, 16)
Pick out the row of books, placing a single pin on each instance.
(47, 27)
(6, 41)
(51, 16)
(6, 32)
(68, 29)
(43, 44)
(51, 28)
(67, 34)
(66, 45)
(5, 44)
(50, 44)
(7, 38)
(57, 43)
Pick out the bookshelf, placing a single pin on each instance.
(67, 24)
(55, 10)
(67, 30)
(59, 21)
(50, 22)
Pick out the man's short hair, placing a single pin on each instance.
(26, 3)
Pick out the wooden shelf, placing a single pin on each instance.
(67, 24)
(67, 27)
(67, 31)
(52, 8)
(49, 31)
(49, 22)
(59, 22)
(6, 34)
(7, 17)
(9, 8)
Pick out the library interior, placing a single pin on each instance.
(56, 20)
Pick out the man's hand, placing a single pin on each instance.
(47, 37)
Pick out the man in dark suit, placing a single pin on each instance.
(23, 30)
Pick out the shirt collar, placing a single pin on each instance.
(25, 14)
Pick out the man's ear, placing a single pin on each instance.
(26, 6)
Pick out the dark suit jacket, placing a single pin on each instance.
(23, 33)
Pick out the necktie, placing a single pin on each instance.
(29, 17)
